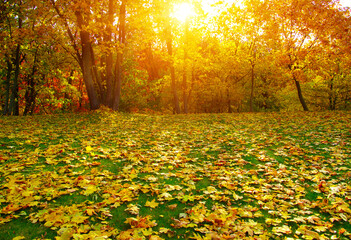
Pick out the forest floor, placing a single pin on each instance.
(106, 175)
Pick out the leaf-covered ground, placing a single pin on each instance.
(120, 176)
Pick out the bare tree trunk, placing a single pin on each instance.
(87, 62)
(299, 92)
(298, 86)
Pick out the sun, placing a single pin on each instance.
(183, 11)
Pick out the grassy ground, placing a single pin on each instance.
(217, 176)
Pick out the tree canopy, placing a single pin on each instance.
(174, 56)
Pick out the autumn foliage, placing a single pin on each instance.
(249, 55)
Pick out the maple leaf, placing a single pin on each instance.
(19, 238)
(141, 222)
(65, 233)
(88, 149)
(147, 232)
(285, 229)
(248, 230)
(165, 196)
(299, 219)
(313, 219)
(90, 212)
(172, 206)
(79, 218)
(303, 230)
(164, 230)
(90, 189)
(151, 204)
(133, 209)
(210, 190)
(321, 228)
(155, 237)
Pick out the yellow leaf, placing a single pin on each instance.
(48, 224)
(88, 149)
(155, 237)
(90, 189)
(284, 230)
(79, 218)
(50, 161)
(65, 234)
(133, 209)
(151, 204)
(27, 193)
(164, 230)
(18, 238)
(320, 228)
(147, 232)
(343, 217)
(90, 212)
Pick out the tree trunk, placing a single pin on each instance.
(173, 78)
(110, 76)
(8, 86)
(332, 97)
(229, 104)
(30, 94)
(14, 107)
(87, 62)
(252, 86)
(119, 61)
(151, 67)
(185, 96)
(299, 92)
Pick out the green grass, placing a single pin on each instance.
(212, 176)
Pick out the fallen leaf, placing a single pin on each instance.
(151, 204)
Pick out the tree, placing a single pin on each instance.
(134, 54)
(95, 22)
(12, 24)
(298, 25)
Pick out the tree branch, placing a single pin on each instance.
(74, 45)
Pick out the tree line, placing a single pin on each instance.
(131, 55)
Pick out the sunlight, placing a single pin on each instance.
(345, 3)
(213, 8)
(183, 11)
